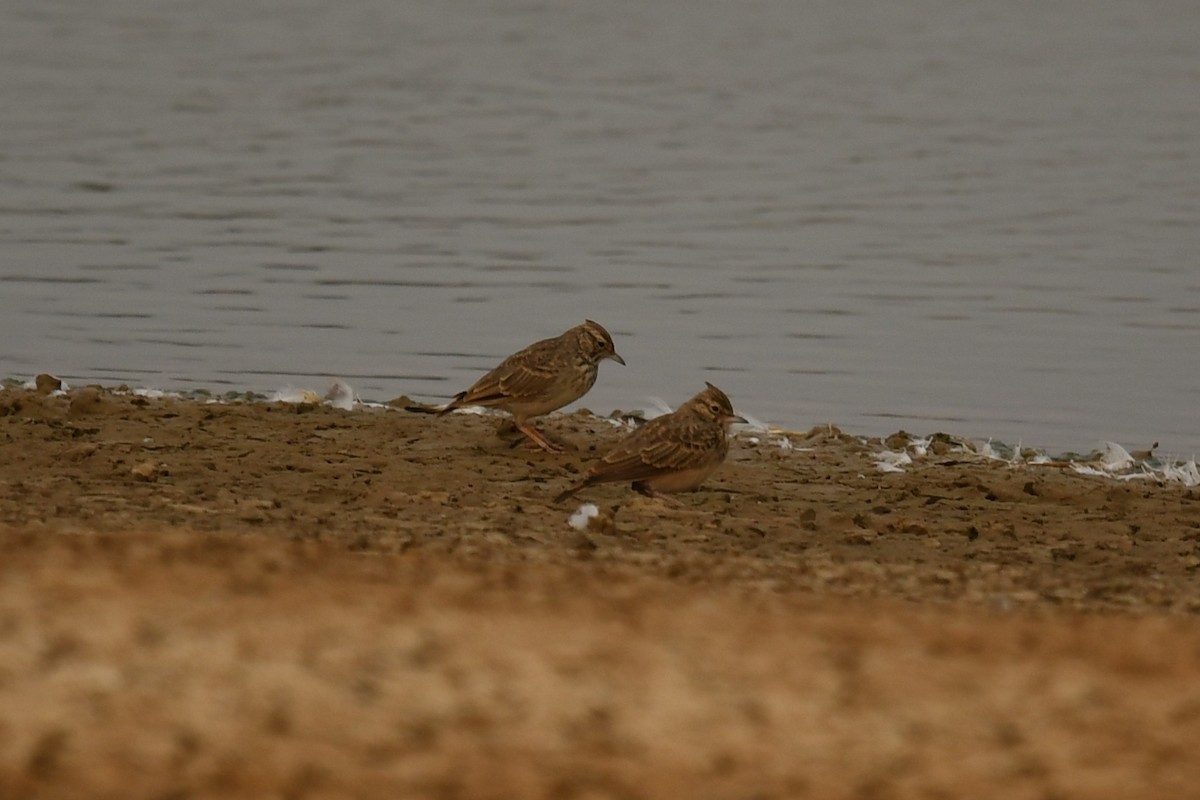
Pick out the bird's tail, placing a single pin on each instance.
(453, 404)
(421, 408)
(570, 492)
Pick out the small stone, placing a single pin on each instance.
(601, 522)
(146, 471)
(46, 383)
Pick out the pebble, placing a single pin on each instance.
(46, 383)
(146, 471)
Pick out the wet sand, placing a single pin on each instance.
(254, 599)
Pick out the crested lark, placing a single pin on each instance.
(671, 453)
(543, 377)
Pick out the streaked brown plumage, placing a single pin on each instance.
(543, 377)
(671, 453)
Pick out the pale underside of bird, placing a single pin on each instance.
(543, 377)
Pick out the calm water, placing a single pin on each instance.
(973, 216)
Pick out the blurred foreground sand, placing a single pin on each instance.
(256, 600)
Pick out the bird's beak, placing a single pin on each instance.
(741, 420)
(617, 359)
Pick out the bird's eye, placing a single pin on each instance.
(716, 409)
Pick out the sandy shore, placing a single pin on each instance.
(267, 600)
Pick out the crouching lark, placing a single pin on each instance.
(671, 453)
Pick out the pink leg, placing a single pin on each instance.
(537, 438)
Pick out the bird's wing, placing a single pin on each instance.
(524, 373)
(653, 450)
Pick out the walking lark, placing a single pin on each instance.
(671, 453)
(543, 377)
